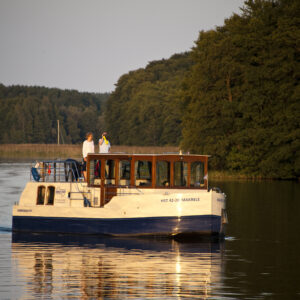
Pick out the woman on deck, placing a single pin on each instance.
(88, 147)
(104, 144)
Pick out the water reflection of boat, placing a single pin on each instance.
(112, 267)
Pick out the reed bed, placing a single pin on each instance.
(53, 151)
(23, 151)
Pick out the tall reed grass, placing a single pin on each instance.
(53, 151)
(64, 151)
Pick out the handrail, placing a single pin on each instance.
(56, 171)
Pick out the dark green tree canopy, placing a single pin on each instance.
(242, 94)
(29, 114)
(234, 96)
(145, 108)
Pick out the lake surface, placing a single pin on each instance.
(259, 259)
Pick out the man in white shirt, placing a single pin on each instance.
(87, 147)
(104, 144)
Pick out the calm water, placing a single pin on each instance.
(259, 259)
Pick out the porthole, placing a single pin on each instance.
(40, 195)
(50, 195)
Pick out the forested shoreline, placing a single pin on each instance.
(234, 96)
(30, 114)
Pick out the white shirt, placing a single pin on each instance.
(88, 147)
(104, 148)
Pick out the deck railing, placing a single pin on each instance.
(56, 171)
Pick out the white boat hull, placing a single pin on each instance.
(132, 212)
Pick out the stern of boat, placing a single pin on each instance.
(219, 207)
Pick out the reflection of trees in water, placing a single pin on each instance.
(102, 279)
(97, 278)
(109, 273)
(43, 273)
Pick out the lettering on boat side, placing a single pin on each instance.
(24, 210)
(180, 199)
(220, 199)
(60, 192)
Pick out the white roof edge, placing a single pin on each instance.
(151, 154)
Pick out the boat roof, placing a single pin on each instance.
(124, 154)
(149, 154)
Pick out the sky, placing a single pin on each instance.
(88, 44)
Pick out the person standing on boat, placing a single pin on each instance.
(104, 144)
(87, 147)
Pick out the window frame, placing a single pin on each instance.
(156, 173)
(49, 187)
(150, 173)
(37, 194)
(153, 158)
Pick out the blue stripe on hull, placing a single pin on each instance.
(205, 224)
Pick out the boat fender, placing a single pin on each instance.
(215, 189)
(35, 174)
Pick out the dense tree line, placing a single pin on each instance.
(242, 94)
(234, 96)
(145, 108)
(30, 114)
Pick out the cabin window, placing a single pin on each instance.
(110, 176)
(197, 174)
(143, 173)
(92, 172)
(50, 195)
(40, 195)
(124, 172)
(97, 168)
(180, 173)
(163, 173)
(95, 172)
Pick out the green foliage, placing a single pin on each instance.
(242, 94)
(235, 96)
(145, 109)
(30, 114)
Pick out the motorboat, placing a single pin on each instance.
(123, 195)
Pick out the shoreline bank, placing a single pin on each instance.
(53, 151)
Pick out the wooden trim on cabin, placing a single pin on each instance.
(153, 172)
(102, 183)
(171, 174)
(88, 179)
(132, 175)
(117, 162)
(153, 158)
(188, 174)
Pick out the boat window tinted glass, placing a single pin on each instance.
(40, 195)
(50, 195)
(163, 173)
(97, 168)
(110, 176)
(143, 173)
(197, 174)
(124, 172)
(92, 172)
(180, 173)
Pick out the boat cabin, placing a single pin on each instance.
(114, 174)
(147, 171)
